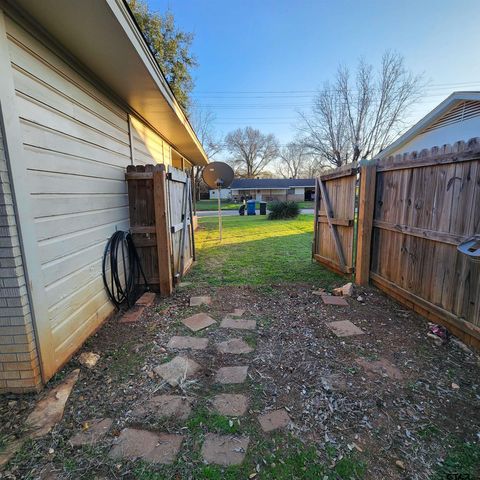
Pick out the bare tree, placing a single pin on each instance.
(251, 151)
(313, 167)
(296, 160)
(203, 122)
(291, 159)
(353, 119)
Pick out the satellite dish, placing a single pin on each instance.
(218, 175)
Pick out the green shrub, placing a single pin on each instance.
(282, 210)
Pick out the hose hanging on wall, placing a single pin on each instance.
(125, 269)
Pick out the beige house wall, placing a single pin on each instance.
(74, 141)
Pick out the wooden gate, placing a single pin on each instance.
(413, 212)
(181, 224)
(333, 243)
(161, 223)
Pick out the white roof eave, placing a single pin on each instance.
(103, 37)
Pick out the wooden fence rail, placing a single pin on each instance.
(413, 212)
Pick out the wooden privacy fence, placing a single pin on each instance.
(413, 212)
(161, 223)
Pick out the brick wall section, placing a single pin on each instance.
(19, 367)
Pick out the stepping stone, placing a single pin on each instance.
(235, 346)
(202, 300)
(274, 420)
(10, 450)
(230, 404)
(238, 312)
(93, 431)
(224, 449)
(146, 299)
(238, 323)
(164, 406)
(184, 284)
(381, 367)
(177, 370)
(227, 375)
(198, 322)
(333, 300)
(132, 315)
(49, 410)
(345, 328)
(194, 343)
(88, 359)
(152, 447)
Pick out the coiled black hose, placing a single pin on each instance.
(125, 269)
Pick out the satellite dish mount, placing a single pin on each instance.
(218, 175)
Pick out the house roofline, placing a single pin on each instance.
(437, 112)
(103, 36)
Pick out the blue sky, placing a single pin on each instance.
(261, 61)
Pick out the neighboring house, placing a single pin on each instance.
(270, 189)
(225, 193)
(457, 118)
(81, 98)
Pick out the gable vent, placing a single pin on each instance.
(460, 112)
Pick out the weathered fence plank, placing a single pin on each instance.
(366, 204)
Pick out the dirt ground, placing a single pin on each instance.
(389, 404)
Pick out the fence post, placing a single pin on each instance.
(162, 231)
(366, 205)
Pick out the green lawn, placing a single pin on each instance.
(257, 251)
(209, 205)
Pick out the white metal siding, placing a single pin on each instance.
(148, 146)
(76, 142)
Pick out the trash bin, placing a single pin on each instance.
(251, 207)
(241, 210)
(263, 208)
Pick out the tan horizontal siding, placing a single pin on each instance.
(40, 137)
(41, 160)
(148, 146)
(67, 79)
(62, 204)
(36, 112)
(77, 145)
(62, 246)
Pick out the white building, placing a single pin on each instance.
(456, 118)
(225, 193)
